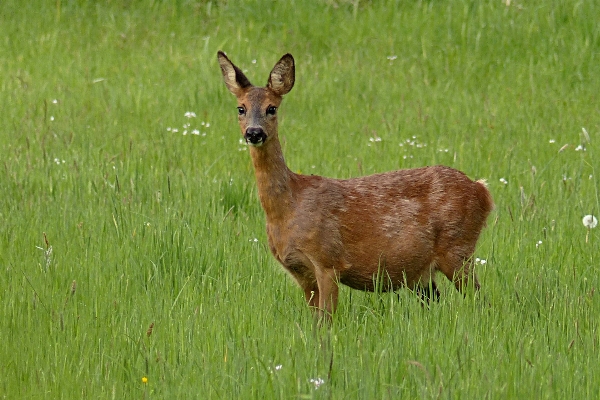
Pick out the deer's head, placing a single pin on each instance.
(257, 106)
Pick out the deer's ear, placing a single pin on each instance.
(234, 78)
(283, 75)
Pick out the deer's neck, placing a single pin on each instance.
(273, 179)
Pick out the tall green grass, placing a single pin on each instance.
(113, 221)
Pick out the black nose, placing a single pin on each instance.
(255, 136)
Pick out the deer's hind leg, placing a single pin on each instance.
(458, 268)
(428, 292)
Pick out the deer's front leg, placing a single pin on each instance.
(328, 292)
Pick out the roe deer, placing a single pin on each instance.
(404, 225)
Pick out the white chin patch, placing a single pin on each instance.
(255, 144)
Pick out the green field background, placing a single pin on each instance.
(133, 255)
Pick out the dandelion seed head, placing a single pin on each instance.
(590, 221)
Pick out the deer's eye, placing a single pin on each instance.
(241, 111)
(271, 110)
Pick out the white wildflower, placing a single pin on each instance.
(503, 180)
(317, 382)
(190, 114)
(392, 58)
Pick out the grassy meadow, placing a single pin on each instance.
(133, 255)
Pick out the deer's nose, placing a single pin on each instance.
(255, 136)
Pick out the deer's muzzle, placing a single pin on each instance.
(255, 136)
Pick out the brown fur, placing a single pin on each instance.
(401, 226)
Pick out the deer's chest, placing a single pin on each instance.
(279, 242)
